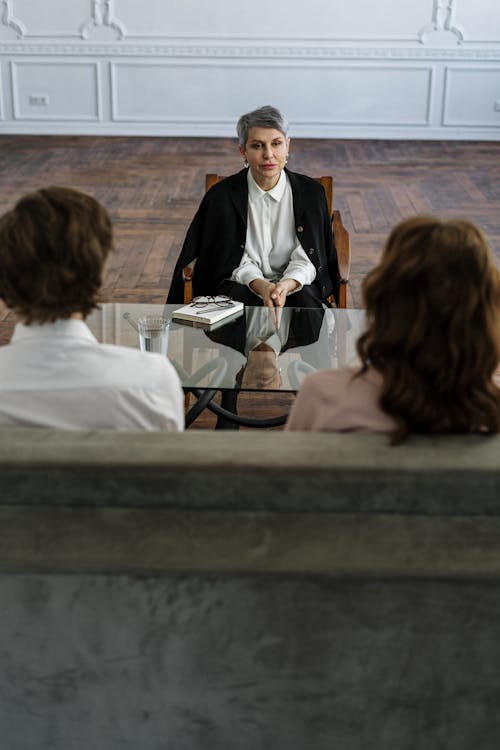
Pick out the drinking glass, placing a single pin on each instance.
(153, 333)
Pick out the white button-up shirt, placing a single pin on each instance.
(58, 375)
(272, 250)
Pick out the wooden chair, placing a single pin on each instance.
(340, 233)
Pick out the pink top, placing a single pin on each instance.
(338, 400)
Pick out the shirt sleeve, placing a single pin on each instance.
(247, 271)
(300, 268)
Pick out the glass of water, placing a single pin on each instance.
(153, 333)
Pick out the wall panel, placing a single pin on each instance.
(472, 97)
(375, 93)
(480, 20)
(316, 19)
(50, 91)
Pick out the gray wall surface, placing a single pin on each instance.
(239, 663)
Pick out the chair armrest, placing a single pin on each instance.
(187, 277)
(343, 245)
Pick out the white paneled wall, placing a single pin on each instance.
(338, 68)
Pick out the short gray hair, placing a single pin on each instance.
(263, 117)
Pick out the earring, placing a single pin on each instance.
(246, 164)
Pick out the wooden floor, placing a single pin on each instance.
(152, 187)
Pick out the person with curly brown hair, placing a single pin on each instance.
(54, 373)
(431, 347)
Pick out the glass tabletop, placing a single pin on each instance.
(257, 351)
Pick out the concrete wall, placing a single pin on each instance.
(211, 662)
(405, 69)
(222, 592)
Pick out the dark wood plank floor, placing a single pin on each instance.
(152, 187)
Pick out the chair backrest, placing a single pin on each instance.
(326, 180)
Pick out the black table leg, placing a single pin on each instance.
(229, 402)
(205, 401)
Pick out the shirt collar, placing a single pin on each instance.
(255, 192)
(68, 327)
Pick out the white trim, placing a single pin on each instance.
(10, 21)
(443, 19)
(231, 51)
(208, 129)
(102, 16)
(234, 39)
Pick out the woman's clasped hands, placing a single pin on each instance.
(274, 293)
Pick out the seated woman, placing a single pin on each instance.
(263, 235)
(432, 343)
(54, 373)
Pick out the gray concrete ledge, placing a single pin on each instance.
(300, 472)
(139, 541)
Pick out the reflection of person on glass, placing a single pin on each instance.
(432, 344)
(265, 339)
(54, 373)
(262, 335)
(263, 235)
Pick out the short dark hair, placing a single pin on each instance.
(53, 246)
(263, 117)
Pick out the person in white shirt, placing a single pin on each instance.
(54, 373)
(263, 235)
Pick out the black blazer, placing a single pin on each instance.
(217, 235)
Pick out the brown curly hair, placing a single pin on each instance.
(53, 246)
(433, 328)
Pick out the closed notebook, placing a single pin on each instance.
(208, 310)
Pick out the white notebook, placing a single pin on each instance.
(214, 310)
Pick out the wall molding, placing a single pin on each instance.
(443, 19)
(103, 39)
(8, 19)
(287, 52)
(102, 16)
(219, 129)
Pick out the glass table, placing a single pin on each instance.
(262, 350)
